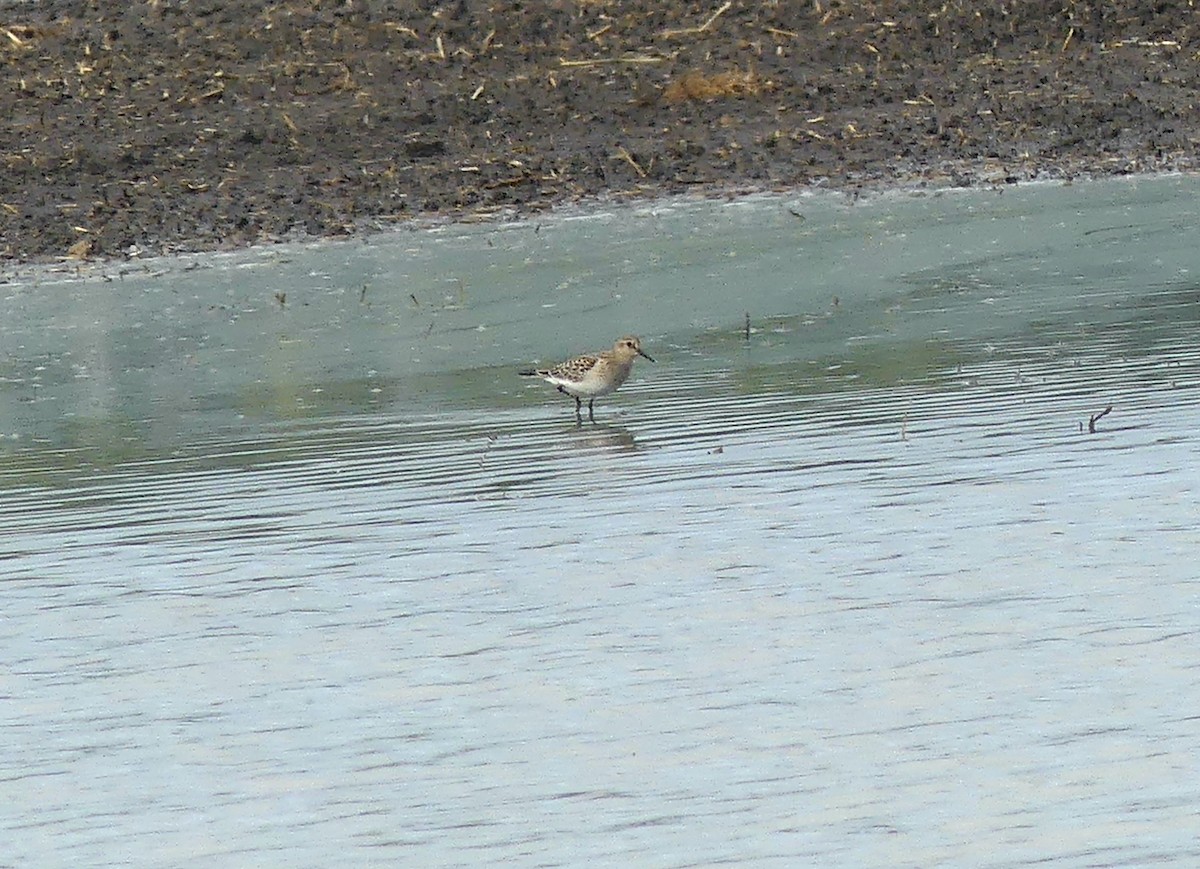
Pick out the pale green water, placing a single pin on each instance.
(321, 580)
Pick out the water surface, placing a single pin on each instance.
(295, 570)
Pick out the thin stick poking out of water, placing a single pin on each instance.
(1096, 417)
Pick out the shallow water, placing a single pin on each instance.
(295, 570)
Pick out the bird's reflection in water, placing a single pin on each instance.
(601, 435)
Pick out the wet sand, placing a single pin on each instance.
(163, 127)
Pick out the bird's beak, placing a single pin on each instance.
(647, 355)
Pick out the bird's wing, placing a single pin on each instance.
(574, 369)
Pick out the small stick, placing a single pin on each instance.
(692, 31)
(562, 61)
(628, 158)
(1095, 417)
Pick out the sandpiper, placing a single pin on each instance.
(592, 375)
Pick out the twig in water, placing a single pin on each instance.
(1096, 417)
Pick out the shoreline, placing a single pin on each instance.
(66, 270)
(929, 180)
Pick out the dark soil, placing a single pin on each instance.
(145, 128)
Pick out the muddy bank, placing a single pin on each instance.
(189, 125)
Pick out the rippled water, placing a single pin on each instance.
(296, 571)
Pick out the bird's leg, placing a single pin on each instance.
(591, 415)
(578, 405)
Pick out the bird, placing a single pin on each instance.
(593, 374)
